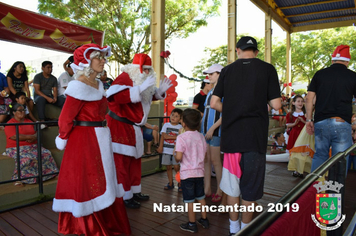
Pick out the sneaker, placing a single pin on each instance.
(204, 223)
(189, 227)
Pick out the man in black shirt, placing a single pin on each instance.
(332, 89)
(246, 87)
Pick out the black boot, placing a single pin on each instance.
(131, 203)
(141, 197)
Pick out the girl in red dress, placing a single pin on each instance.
(295, 121)
(88, 197)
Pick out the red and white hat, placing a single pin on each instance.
(82, 55)
(143, 61)
(206, 80)
(341, 53)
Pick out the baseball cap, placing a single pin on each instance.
(247, 42)
(213, 68)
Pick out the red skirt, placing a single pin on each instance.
(109, 221)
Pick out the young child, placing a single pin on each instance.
(295, 121)
(21, 99)
(169, 134)
(190, 152)
(279, 145)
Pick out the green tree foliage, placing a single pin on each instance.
(127, 22)
(310, 52)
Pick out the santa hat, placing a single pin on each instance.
(143, 61)
(206, 80)
(82, 55)
(341, 53)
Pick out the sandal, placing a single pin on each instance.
(180, 188)
(296, 174)
(169, 187)
(19, 184)
(216, 198)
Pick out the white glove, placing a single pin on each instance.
(61, 143)
(164, 85)
(149, 82)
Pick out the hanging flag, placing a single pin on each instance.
(25, 27)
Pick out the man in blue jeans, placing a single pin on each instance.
(332, 90)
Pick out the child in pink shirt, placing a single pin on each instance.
(190, 151)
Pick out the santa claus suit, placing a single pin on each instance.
(125, 101)
(87, 196)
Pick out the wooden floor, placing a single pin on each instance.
(41, 220)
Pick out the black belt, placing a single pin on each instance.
(90, 123)
(122, 119)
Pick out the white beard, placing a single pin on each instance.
(138, 78)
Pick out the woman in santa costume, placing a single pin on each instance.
(87, 197)
(129, 99)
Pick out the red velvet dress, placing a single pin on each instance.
(87, 196)
(295, 131)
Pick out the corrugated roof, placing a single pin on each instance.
(303, 15)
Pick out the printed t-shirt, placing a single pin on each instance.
(168, 144)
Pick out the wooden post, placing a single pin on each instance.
(231, 31)
(268, 37)
(157, 37)
(288, 63)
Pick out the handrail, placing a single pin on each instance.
(265, 219)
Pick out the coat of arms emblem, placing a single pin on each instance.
(328, 206)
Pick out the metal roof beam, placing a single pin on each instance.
(329, 18)
(319, 12)
(323, 26)
(311, 4)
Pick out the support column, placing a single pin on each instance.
(268, 37)
(157, 41)
(288, 62)
(231, 31)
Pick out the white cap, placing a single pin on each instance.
(213, 68)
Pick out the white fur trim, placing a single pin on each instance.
(79, 209)
(135, 96)
(136, 188)
(60, 143)
(143, 66)
(128, 195)
(134, 92)
(159, 96)
(132, 151)
(120, 192)
(340, 59)
(116, 88)
(107, 50)
(82, 91)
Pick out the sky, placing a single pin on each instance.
(185, 53)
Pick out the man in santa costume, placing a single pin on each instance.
(129, 99)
